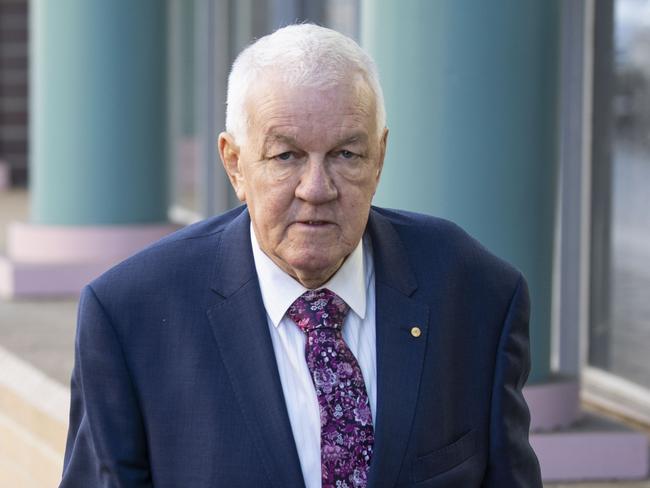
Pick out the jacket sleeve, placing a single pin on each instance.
(512, 462)
(106, 444)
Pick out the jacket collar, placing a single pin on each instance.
(239, 326)
(400, 351)
(235, 265)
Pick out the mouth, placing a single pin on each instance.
(314, 223)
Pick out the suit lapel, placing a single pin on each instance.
(240, 328)
(239, 325)
(400, 355)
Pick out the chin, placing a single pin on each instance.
(315, 264)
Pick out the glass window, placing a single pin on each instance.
(204, 38)
(184, 147)
(620, 300)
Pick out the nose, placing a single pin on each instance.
(316, 185)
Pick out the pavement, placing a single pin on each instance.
(606, 484)
(41, 332)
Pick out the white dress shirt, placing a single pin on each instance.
(354, 282)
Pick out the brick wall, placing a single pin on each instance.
(13, 88)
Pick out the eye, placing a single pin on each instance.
(345, 154)
(285, 156)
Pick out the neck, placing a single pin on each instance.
(313, 281)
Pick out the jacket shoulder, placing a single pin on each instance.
(434, 243)
(174, 261)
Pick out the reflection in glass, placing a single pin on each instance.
(620, 323)
(204, 38)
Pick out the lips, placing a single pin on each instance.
(314, 223)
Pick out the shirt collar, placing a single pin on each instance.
(279, 290)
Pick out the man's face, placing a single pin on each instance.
(308, 171)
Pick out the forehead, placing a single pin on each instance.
(277, 108)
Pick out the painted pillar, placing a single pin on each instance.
(98, 112)
(471, 92)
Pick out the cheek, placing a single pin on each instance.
(355, 212)
(270, 207)
(276, 199)
(359, 196)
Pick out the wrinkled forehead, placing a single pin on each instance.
(270, 99)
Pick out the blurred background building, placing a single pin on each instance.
(13, 92)
(525, 121)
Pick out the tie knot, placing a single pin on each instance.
(317, 309)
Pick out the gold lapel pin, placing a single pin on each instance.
(416, 332)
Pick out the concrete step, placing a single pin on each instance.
(593, 448)
(33, 425)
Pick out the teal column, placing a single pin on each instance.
(471, 92)
(97, 110)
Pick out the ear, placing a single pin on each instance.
(230, 156)
(382, 152)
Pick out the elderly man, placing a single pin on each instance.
(305, 338)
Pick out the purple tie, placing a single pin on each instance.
(345, 417)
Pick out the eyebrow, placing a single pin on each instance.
(358, 136)
(272, 138)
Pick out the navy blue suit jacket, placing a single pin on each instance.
(175, 383)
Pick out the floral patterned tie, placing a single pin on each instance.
(345, 418)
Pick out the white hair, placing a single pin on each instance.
(303, 55)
